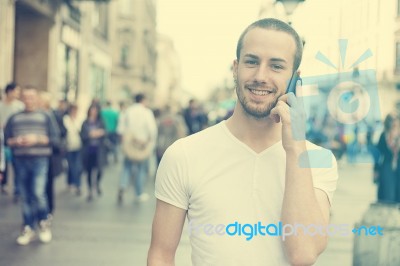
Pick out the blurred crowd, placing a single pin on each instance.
(364, 142)
(40, 143)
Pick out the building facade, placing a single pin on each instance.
(60, 46)
(134, 54)
(25, 30)
(169, 88)
(376, 26)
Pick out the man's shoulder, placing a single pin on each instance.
(203, 139)
(312, 146)
(198, 145)
(137, 108)
(16, 114)
(15, 105)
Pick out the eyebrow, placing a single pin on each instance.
(278, 60)
(274, 59)
(251, 55)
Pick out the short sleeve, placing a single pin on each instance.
(172, 177)
(326, 177)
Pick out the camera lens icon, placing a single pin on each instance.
(348, 102)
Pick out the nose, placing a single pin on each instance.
(262, 73)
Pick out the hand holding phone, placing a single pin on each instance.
(293, 83)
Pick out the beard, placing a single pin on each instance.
(256, 111)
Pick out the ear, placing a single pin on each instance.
(235, 69)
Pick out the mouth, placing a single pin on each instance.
(261, 92)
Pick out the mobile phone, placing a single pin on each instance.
(293, 82)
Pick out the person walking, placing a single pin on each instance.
(31, 135)
(9, 106)
(110, 118)
(93, 150)
(74, 149)
(386, 169)
(140, 129)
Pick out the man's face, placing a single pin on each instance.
(263, 70)
(14, 94)
(30, 99)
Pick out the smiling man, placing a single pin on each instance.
(254, 168)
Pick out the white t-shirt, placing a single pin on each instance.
(219, 181)
(8, 109)
(73, 127)
(140, 121)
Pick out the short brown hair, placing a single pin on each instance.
(278, 25)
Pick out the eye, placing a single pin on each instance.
(277, 67)
(251, 62)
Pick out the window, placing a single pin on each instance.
(68, 73)
(124, 58)
(100, 19)
(397, 58)
(398, 8)
(98, 82)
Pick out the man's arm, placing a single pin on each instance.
(166, 233)
(305, 205)
(302, 204)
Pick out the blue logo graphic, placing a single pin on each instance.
(348, 98)
(260, 229)
(348, 103)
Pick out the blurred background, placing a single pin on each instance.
(176, 52)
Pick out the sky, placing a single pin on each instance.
(205, 34)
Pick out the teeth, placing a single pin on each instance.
(257, 92)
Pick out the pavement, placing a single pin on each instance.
(102, 232)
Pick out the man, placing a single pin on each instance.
(31, 135)
(110, 118)
(190, 116)
(138, 121)
(251, 169)
(56, 158)
(9, 106)
(170, 128)
(11, 103)
(2, 155)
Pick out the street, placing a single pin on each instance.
(103, 233)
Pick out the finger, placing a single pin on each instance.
(282, 110)
(274, 115)
(299, 88)
(291, 100)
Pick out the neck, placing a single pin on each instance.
(258, 134)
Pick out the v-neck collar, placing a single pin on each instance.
(245, 146)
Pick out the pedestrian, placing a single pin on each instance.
(140, 129)
(2, 155)
(387, 170)
(110, 118)
(171, 127)
(56, 158)
(74, 149)
(9, 106)
(248, 170)
(190, 116)
(93, 150)
(31, 135)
